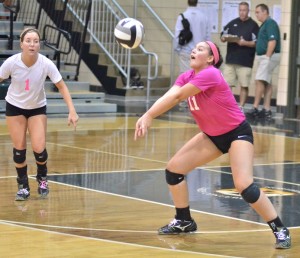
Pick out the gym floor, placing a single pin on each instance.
(108, 194)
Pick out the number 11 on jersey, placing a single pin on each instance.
(193, 103)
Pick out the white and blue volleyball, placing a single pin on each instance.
(129, 33)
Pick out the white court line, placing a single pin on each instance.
(209, 168)
(105, 152)
(118, 242)
(153, 202)
(130, 231)
(159, 161)
(143, 200)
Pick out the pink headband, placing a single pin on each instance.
(214, 51)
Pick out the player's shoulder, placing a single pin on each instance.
(211, 73)
(207, 73)
(10, 61)
(211, 70)
(45, 61)
(14, 57)
(43, 58)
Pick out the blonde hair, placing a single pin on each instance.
(27, 30)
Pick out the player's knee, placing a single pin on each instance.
(251, 193)
(41, 157)
(19, 156)
(173, 178)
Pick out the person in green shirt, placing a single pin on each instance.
(268, 58)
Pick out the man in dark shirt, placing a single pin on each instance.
(240, 50)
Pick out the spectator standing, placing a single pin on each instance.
(2, 9)
(200, 28)
(268, 57)
(240, 51)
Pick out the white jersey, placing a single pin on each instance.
(27, 90)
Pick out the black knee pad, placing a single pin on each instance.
(251, 193)
(41, 157)
(19, 156)
(173, 178)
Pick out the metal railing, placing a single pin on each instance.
(40, 13)
(168, 31)
(57, 34)
(13, 9)
(104, 17)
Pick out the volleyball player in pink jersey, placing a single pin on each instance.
(26, 108)
(223, 129)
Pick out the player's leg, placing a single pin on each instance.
(241, 159)
(37, 126)
(196, 152)
(17, 127)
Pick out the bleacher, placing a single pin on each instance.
(85, 101)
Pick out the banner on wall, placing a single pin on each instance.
(230, 10)
(211, 10)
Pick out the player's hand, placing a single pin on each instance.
(142, 126)
(73, 119)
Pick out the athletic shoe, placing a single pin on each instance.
(43, 188)
(283, 239)
(24, 190)
(253, 114)
(177, 226)
(266, 114)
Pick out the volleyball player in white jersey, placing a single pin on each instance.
(26, 108)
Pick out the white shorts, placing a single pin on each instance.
(237, 75)
(265, 67)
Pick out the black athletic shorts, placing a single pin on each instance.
(12, 110)
(242, 132)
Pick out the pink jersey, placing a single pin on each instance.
(214, 109)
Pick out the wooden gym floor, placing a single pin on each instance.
(108, 194)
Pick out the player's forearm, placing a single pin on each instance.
(69, 102)
(162, 105)
(63, 89)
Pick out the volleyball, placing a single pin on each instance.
(129, 33)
